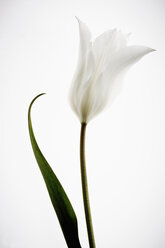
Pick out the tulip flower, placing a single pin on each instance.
(101, 66)
(97, 81)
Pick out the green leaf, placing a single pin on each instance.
(59, 199)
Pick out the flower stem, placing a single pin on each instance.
(85, 187)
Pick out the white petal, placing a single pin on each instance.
(84, 47)
(124, 58)
(84, 67)
(111, 41)
(131, 55)
(118, 66)
(85, 37)
(106, 45)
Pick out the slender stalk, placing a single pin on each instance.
(85, 187)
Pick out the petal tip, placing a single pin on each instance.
(77, 19)
(150, 50)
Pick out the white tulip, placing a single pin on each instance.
(101, 64)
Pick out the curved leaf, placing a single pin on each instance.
(60, 201)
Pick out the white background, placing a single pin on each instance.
(125, 144)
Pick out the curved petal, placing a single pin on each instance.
(85, 37)
(118, 66)
(131, 55)
(124, 58)
(84, 66)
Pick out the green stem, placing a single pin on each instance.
(85, 187)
